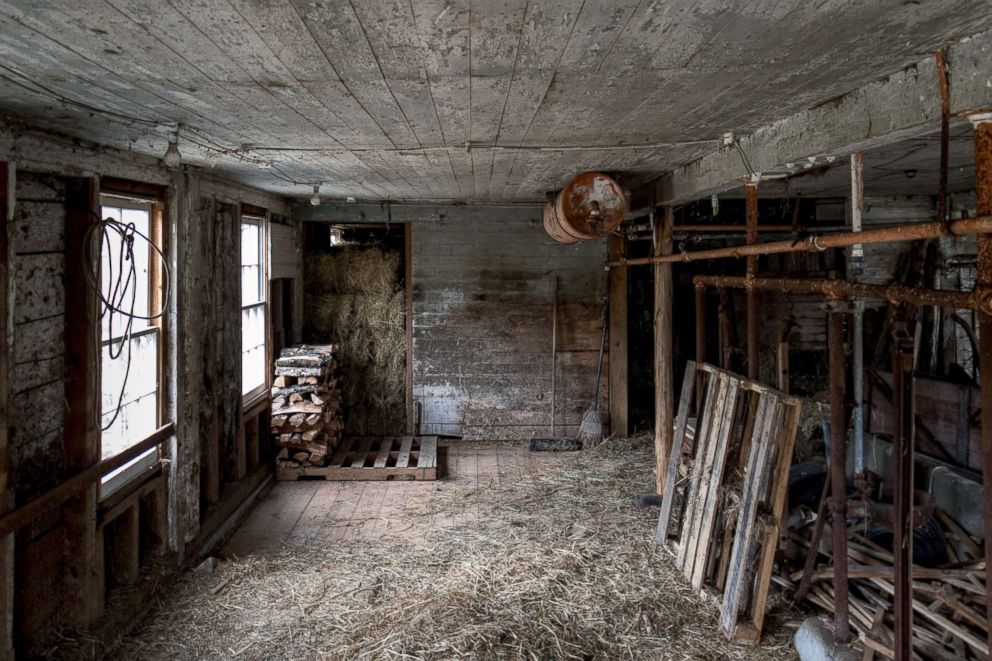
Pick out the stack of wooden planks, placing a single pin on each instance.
(948, 603)
(725, 490)
(306, 405)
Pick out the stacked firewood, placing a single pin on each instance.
(306, 405)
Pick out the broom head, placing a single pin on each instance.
(591, 430)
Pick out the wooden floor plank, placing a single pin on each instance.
(272, 520)
(313, 524)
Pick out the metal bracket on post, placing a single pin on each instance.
(838, 305)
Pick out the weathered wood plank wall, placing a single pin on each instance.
(482, 305)
(202, 370)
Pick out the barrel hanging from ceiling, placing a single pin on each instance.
(590, 205)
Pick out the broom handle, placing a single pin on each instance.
(554, 354)
(599, 369)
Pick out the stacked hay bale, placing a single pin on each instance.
(355, 299)
(306, 405)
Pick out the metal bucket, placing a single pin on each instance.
(591, 205)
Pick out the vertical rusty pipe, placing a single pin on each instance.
(838, 460)
(856, 262)
(902, 489)
(753, 322)
(983, 195)
(945, 130)
(700, 342)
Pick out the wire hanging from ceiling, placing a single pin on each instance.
(117, 300)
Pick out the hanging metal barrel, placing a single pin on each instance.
(591, 205)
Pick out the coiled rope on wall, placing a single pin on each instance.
(118, 298)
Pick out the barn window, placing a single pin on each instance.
(253, 372)
(130, 335)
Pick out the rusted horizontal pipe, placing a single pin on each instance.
(729, 228)
(845, 289)
(821, 242)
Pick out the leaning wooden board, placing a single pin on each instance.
(725, 492)
(367, 458)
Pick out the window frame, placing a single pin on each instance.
(138, 468)
(260, 218)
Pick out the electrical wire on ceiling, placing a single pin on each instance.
(118, 294)
(744, 159)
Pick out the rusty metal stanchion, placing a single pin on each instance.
(983, 195)
(902, 489)
(836, 311)
(753, 321)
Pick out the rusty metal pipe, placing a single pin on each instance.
(945, 130)
(729, 229)
(753, 320)
(983, 199)
(838, 457)
(820, 242)
(894, 293)
(902, 489)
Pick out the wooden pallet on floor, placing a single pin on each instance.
(367, 458)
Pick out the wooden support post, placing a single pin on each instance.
(724, 333)
(983, 195)
(753, 320)
(902, 491)
(252, 440)
(84, 592)
(154, 511)
(664, 407)
(234, 458)
(700, 343)
(618, 339)
(838, 458)
(408, 285)
(186, 224)
(782, 363)
(211, 432)
(6, 492)
(125, 546)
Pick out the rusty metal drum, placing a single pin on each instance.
(591, 205)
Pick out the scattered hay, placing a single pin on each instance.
(354, 300)
(559, 567)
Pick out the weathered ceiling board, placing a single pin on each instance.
(891, 113)
(38, 151)
(482, 325)
(453, 101)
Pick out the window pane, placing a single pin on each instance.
(250, 290)
(124, 278)
(249, 243)
(138, 416)
(253, 368)
(252, 348)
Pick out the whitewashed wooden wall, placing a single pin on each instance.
(482, 326)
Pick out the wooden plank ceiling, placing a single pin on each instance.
(492, 100)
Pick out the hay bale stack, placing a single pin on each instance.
(355, 299)
(306, 405)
